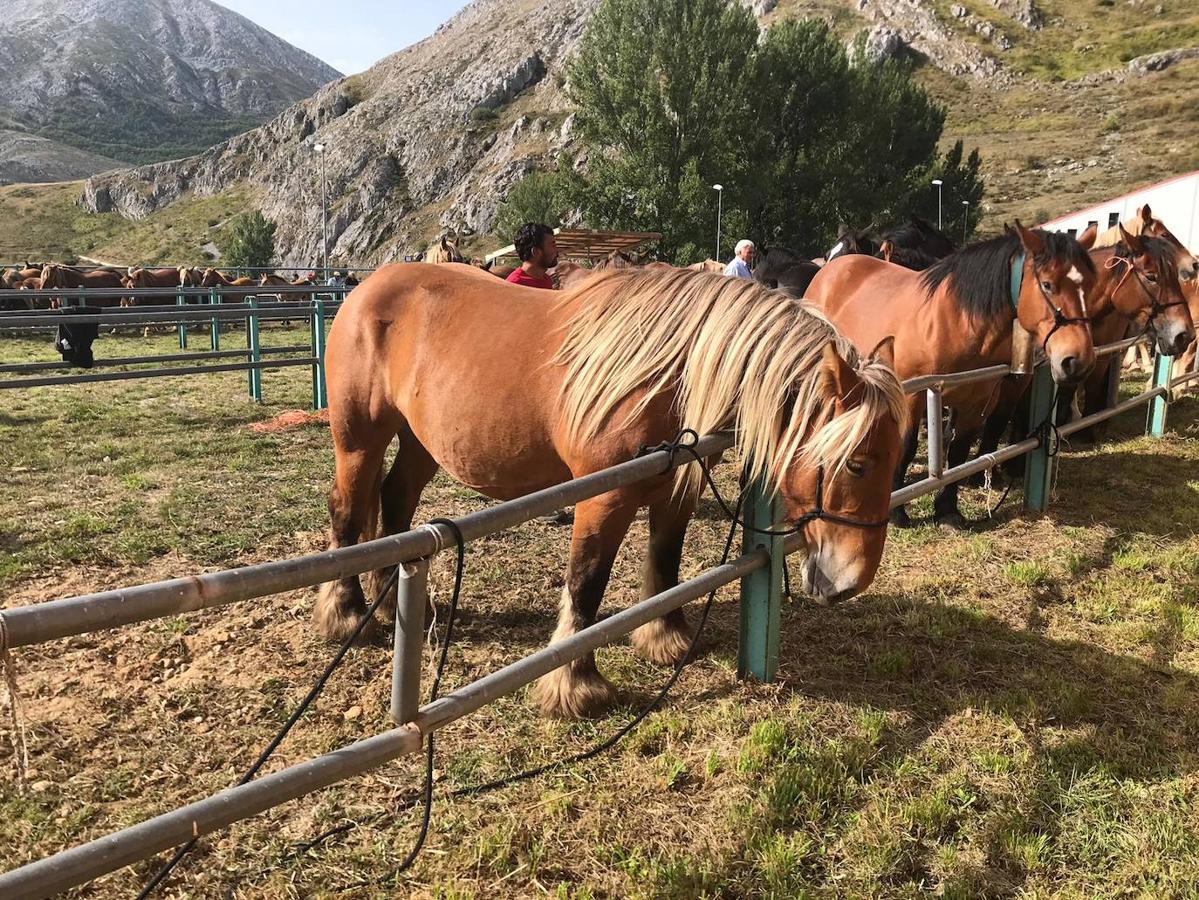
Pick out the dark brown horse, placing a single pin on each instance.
(511, 393)
(958, 316)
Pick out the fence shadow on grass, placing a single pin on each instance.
(935, 660)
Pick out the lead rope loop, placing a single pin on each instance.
(20, 748)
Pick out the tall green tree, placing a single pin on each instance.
(837, 140)
(961, 182)
(660, 91)
(538, 197)
(248, 240)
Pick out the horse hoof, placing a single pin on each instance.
(337, 614)
(568, 694)
(660, 643)
(900, 518)
(952, 520)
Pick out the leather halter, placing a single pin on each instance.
(819, 512)
(1155, 305)
(1060, 319)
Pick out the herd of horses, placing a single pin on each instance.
(510, 391)
(51, 275)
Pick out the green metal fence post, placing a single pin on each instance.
(180, 301)
(1038, 471)
(1155, 422)
(255, 347)
(320, 397)
(761, 591)
(214, 299)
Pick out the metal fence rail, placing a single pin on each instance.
(210, 315)
(61, 618)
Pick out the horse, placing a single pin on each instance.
(213, 277)
(1144, 223)
(55, 275)
(555, 390)
(1139, 292)
(785, 270)
(445, 251)
(916, 244)
(957, 316)
(708, 265)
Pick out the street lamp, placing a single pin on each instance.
(965, 219)
(319, 149)
(938, 183)
(719, 189)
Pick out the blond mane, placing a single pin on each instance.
(1111, 237)
(736, 354)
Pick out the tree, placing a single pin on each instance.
(248, 240)
(538, 197)
(659, 91)
(676, 95)
(961, 182)
(836, 141)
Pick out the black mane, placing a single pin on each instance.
(919, 234)
(981, 274)
(1161, 250)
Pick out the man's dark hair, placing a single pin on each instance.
(529, 237)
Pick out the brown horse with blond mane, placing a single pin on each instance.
(510, 393)
(958, 315)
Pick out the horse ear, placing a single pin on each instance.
(1030, 240)
(1145, 214)
(1132, 241)
(1087, 238)
(884, 352)
(886, 250)
(841, 378)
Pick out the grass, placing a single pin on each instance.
(44, 221)
(1008, 710)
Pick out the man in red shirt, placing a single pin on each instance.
(538, 252)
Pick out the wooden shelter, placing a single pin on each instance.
(585, 244)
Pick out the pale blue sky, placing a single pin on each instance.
(350, 35)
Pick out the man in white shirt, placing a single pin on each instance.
(739, 267)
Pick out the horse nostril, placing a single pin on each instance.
(1070, 365)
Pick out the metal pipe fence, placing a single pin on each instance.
(61, 618)
(315, 304)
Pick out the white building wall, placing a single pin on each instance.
(1175, 202)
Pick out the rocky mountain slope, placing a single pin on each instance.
(26, 157)
(141, 80)
(1057, 95)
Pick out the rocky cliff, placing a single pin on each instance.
(431, 138)
(143, 79)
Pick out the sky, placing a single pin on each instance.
(350, 35)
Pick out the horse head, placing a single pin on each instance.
(1056, 279)
(1149, 291)
(837, 492)
(1188, 265)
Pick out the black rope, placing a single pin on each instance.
(299, 711)
(527, 774)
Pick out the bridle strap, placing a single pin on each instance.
(1155, 304)
(1060, 319)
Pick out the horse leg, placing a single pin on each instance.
(945, 505)
(911, 439)
(577, 688)
(664, 641)
(412, 469)
(353, 514)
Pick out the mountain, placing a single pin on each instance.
(1058, 96)
(27, 157)
(142, 80)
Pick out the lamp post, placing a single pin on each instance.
(319, 149)
(965, 219)
(938, 183)
(719, 189)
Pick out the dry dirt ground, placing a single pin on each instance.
(1008, 711)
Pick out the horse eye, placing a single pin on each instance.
(1151, 278)
(856, 469)
(1047, 286)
